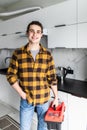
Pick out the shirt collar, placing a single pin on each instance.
(42, 49)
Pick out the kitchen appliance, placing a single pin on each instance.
(61, 72)
(7, 61)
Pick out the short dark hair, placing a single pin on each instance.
(34, 23)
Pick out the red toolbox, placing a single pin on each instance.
(55, 116)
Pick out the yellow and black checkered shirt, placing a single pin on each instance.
(35, 77)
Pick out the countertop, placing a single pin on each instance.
(75, 87)
(3, 71)
(72, 86)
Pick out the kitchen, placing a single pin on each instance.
(69, 50)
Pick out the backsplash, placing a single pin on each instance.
(74, 58)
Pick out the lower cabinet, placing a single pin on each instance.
(63, 97)
(75, 116)
(77, 113)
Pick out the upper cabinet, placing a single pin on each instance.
(63, 37)
(82, 35)
(12, 41)
(82, 23)
(62, 13)
(82, 11)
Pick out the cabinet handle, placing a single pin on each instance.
(61, 25)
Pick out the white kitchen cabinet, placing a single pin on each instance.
(82, 35)
(82, 23)
(77, 113)
(82, 10)
(85, 112)
(63, 97)
(63, 37)
(62, 13)
(12, 41)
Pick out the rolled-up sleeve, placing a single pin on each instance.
(13, 69)
(51, 73)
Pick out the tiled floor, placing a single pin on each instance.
(8, 110)
(5, 109)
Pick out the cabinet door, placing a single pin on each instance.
(62, 37)
(82, 35)
(76, 113)
(12, 41)
(64, 98)
(84, 100)
(82, 10)
(62, 13)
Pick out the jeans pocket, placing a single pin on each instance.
(24, 103)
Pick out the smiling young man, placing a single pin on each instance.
(32, 73)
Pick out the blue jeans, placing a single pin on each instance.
(26, 115)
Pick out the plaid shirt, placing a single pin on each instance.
(35, 77)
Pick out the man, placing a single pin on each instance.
(31, 73)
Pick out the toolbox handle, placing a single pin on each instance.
(54, 107)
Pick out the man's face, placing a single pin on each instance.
(34, 34)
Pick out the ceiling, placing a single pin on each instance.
(13, 8)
